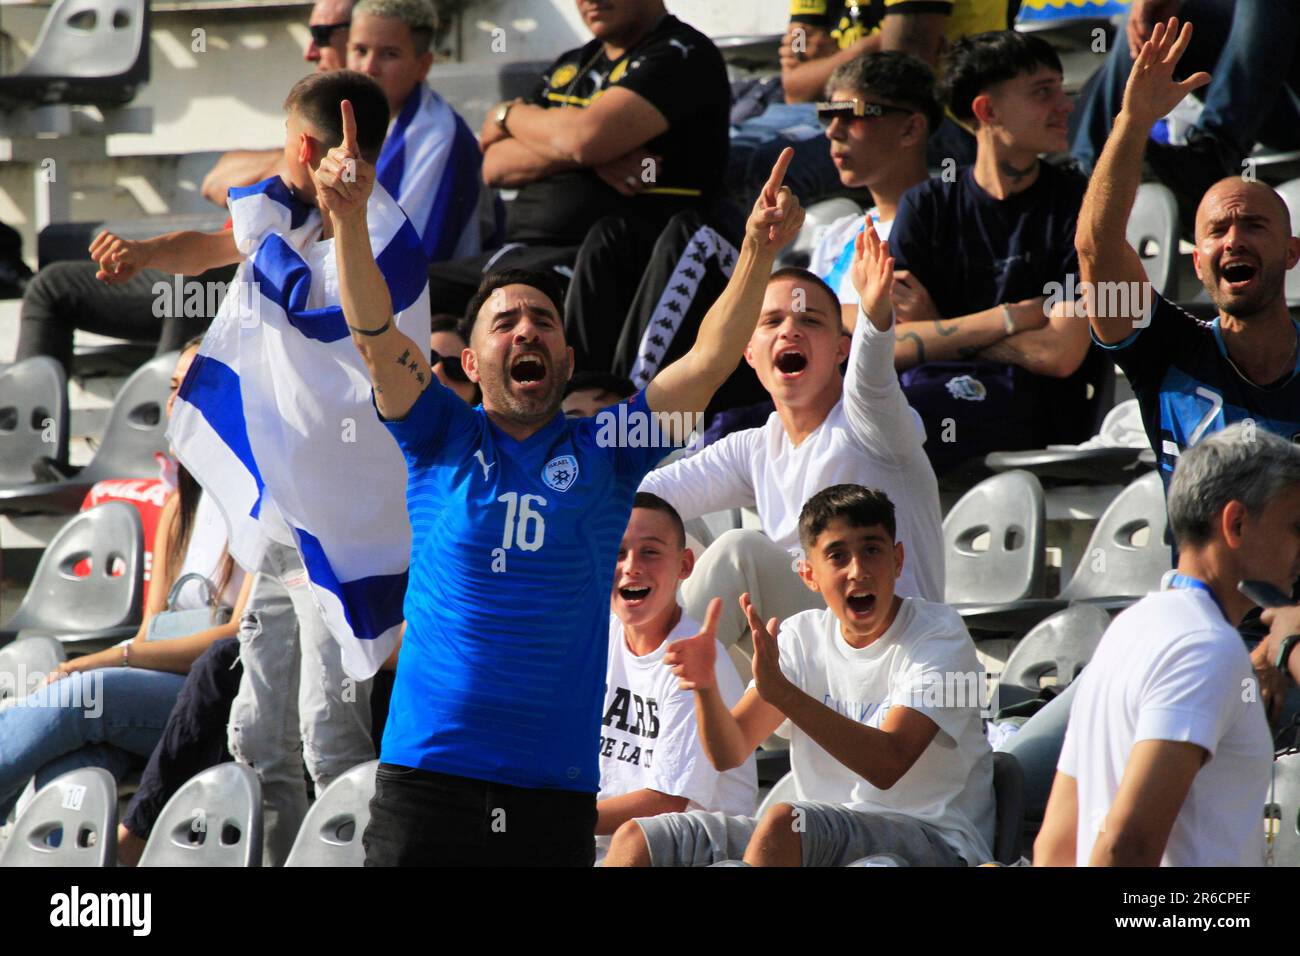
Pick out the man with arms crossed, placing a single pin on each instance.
(490, 753)
(1166, 759)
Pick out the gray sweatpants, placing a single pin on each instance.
(295, 703)
(830, 835)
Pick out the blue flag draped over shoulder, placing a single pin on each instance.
(275, 419)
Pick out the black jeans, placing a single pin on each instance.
(66, 296)
(422, 818)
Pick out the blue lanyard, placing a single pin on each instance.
(1177, 580)
(836, 276)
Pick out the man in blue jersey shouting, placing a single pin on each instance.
(490, 753)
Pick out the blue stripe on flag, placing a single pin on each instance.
(371, 605)
(275, 189)
(403, 266)
(392, 158)
(457, 198)
(212, 387)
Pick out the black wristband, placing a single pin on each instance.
(379, 331)
(1288, 645)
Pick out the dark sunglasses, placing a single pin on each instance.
(321, 32)
(854, 109)
(450, 365)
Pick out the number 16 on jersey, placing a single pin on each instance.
(524, 527)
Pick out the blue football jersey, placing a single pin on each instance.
(502, 671)
(1187, 387)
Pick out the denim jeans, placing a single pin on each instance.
(1249, 49)
(110, 717)
(422, 818)
(295, 703)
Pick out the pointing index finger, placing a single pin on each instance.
(349, 127)
(778, 176)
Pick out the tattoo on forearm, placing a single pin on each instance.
(916, 340)
(948, 330)
(373, 332)
(411, 365)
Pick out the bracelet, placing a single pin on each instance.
(379, 331)
(126, 654)
(1008, 320)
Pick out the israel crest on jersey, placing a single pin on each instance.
(560, 473)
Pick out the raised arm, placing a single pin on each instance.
(184, 253)
(1104, 255)
(399, 367)
(689, 383)
(728, 737)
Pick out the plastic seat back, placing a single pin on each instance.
(72, 821)
(1060, 645)
(993, 541)
(1282, 816)
(1290, 193)
(33, 417)
(25, 662)
(782, 792)
(1127, 554)
(137, 424)
(1153, 232)
(330, 834)
(214, 820)
(87, 52)
(65, 605)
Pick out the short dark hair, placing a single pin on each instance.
(316, 99)
(811, 278)
(982, 60)
(895, 75)
(861, 507)
(645, 499)
(541, 280)
(445, 322)
(602, 382)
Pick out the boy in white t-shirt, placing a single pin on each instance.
(826, 430)
(882, 150)
(882, 693)
(650, 756)
(1167, 756)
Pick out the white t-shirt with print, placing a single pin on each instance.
(840, 235)
(649, 738)
(925, 661)
(871, 437)
(1171, 667)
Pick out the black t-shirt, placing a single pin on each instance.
(682, 74)
(974, 252)
(1187, 387)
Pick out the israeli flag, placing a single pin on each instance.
(432, 164)
(275, 418)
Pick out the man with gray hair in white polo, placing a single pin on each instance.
(1166, 760)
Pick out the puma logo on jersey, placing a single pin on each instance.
(686, 50)
(483, 463)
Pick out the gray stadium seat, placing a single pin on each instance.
(330, 834)
(706, 529)
(72, 821)
(136, 430)
(1001, 587)
(23, 661)
(94, 611)
(1290, 193)
(93, 52)
(214, 820)
(1060, 645)
(33, 410)
(1285, 810)
(782, 792)
(880, 859)
(1153, 232)
(1009, 812)
(1115, 571)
